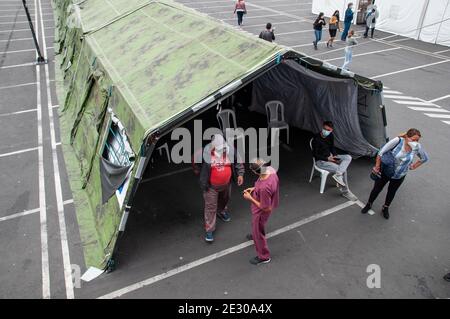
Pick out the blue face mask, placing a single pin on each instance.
(325, 132)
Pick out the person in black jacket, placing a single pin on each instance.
(318, 24)
(217, 168)
(328, 159)
(268, 34)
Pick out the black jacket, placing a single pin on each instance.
(323, 147)
(267, 35)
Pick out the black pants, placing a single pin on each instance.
(367, 32)
(240, 15)
(394, 185)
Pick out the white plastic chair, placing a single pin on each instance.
(227, 119)
(275, 118)
(323, 173)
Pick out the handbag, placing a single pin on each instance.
(388, 162)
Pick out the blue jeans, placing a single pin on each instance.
(318, 34)
(346, 29)
(340, 168)
(348, 58)
(240, 15)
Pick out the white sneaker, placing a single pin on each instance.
(350, 196)
(339, 179)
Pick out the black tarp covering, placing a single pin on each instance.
(310, 98)
(112, 176)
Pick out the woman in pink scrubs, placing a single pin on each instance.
(264, 198)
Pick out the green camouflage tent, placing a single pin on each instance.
(130, 68)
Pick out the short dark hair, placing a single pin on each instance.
(269, 26)
(328, 123)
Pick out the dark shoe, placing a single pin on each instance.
(249, 236)
(385, 212)
(209, 237)
(224, 216)
(366, 208)
(447, 277)
(257, 261)
(328, 44)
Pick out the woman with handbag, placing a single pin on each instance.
(240, 10)
(394, 160)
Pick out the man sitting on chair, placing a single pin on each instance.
(327, 158)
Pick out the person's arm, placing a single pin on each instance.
(265, 200)
(239, 166)
(332, 148)
(273, 35)
(315, 148)
(348, 15)
(235, 7)
(387, 147)
(240, 172)
(197, 161)
(423, 158)
(260, 35)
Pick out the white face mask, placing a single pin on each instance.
(325, 132)
(414, 145)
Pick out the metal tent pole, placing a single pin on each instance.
(40, 58)
(440, 25)
(422, 19)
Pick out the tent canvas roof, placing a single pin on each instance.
(164, 58)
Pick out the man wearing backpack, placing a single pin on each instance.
(268, 34)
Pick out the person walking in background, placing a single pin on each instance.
(268, 34)
(333, 27)
(371, 18)
(264, 198)
(240, 10)
(393, 162)
(348, 19)
(318, 24)
(327, 158)
(351, 41)
(216, 171)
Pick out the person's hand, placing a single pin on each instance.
(249, 190)
(247, 196)
(376, 169)
(240, 180)
(331, 159)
